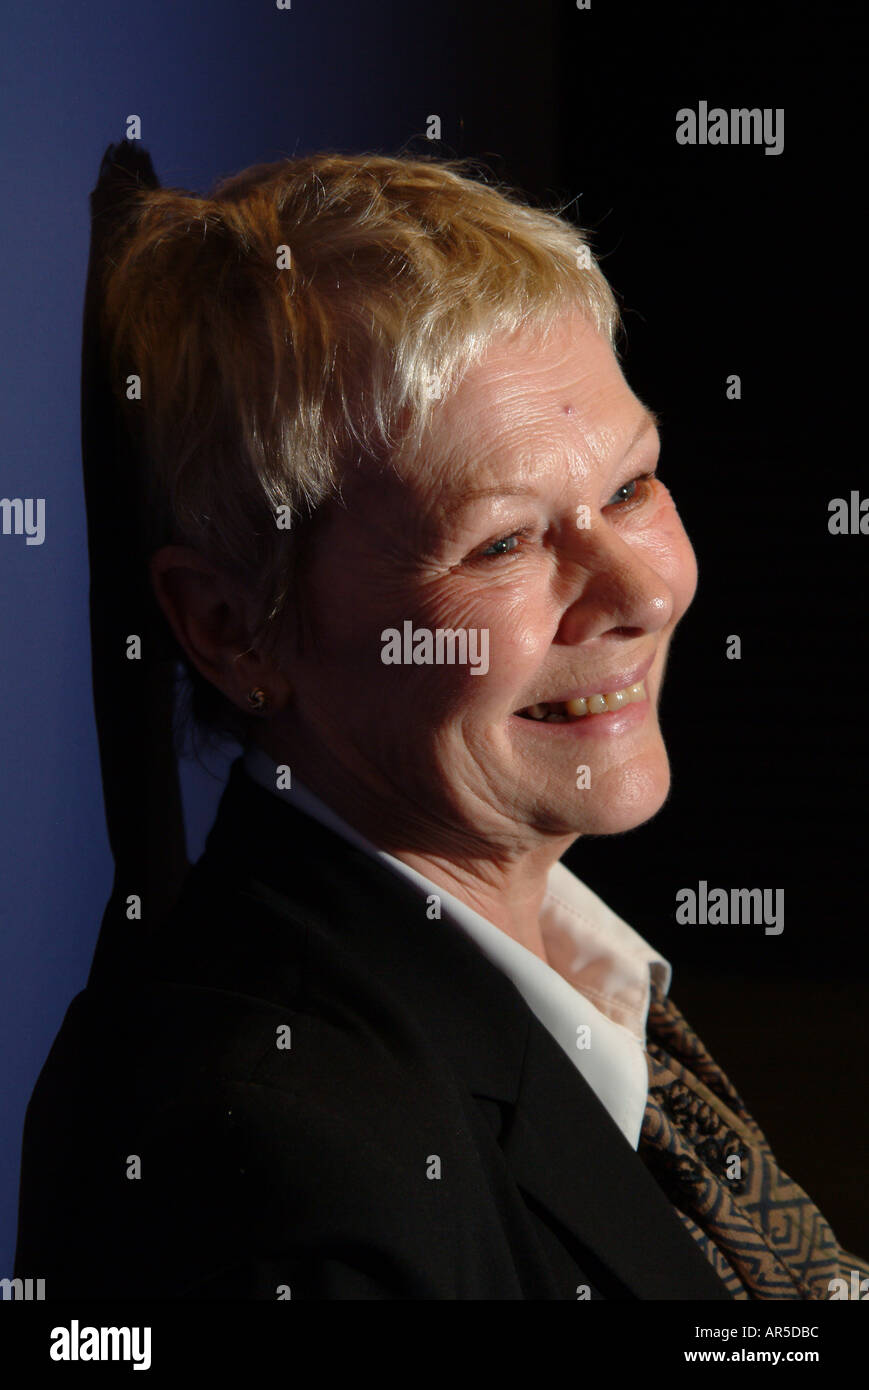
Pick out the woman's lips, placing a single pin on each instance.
(562, 711)
(611, 695)
(608, 722)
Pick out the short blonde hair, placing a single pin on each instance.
(304, 317)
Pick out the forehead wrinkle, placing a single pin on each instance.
(591, 442)
(604, 442)
(573, 459)
(525, 476)
(531, 470)
(492, 447)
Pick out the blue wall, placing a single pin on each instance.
(218, 86)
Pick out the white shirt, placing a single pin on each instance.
(593, 998)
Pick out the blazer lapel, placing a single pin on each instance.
(567, 1153)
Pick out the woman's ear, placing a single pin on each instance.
(212, 617)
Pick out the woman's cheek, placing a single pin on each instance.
(523, 622)
(500, 607)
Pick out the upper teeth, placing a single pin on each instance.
(590, 704)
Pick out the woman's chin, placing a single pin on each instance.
(619, 799)
(638, 793)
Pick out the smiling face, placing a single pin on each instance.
(526, 516)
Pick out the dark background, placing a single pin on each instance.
(726, 260)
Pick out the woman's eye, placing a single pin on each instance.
(505, 545)
(624, 494)
(636, 491)
(629, 491)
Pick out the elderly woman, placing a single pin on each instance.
(406, 528)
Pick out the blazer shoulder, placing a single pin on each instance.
(312, 1157)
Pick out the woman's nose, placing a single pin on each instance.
(616, 587)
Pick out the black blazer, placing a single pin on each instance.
(420, 1136)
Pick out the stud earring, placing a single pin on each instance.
(257, 699)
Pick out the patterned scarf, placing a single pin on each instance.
(762, 1235)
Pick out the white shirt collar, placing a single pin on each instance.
(594, 997)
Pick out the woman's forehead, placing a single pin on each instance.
(524, 410)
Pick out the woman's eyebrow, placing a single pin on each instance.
(648, 421)
(499, 490)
